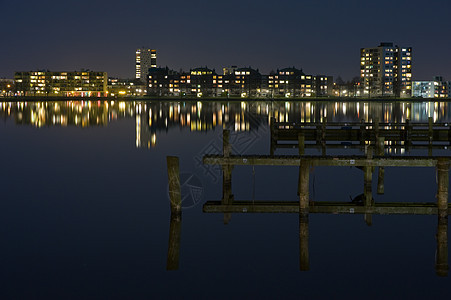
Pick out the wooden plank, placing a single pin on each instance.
(337, 161)
(322, 208)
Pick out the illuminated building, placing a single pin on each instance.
(242, 83)
(202, 83)
(63, 84)
(437, 88)
(163, 82)
(125, 88)
(290, 83)
(293, 83)
(386, 70)
(145, 59)
(323, 85)
(247, 82)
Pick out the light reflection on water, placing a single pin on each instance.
(155, 117)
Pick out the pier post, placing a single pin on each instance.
(227, 196)
(226, 147)
(381, 173)
(441, 257)
(176, 212)
(304, 178)
(376, 129)
(408, 138)
(174, 184)
(367, 187)
(430, 129)
(430, 134)
(174, 242)
(362, 133)
(301, 142)
(273, 136)
(304, 263)
(442, 186)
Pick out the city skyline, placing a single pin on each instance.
(323, 38)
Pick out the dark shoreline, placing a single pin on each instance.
(177, 99)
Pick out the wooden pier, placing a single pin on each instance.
(374, 137)
(356, 135)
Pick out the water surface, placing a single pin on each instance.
(85, 211)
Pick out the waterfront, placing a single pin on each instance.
(85, 208)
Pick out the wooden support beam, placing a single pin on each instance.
(227, 196)
(441, 257)
(442, 186)
(362, 132)
(304, 263)
(274, 136)
(174, 184)
(358, 146)
(430, 128)
(304, 187)
(338, 161)
(376, 129)
(408, 137)
(226, 147)
(380, 181)
(323, 208)
(301, 143)
(381, 171)
(367, 187)
(175, 228)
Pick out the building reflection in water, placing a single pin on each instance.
(155, 117)
(373, 138)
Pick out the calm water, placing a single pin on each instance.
(85, 211)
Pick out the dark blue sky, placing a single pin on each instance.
(322, 37)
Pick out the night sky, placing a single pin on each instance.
(321, 37)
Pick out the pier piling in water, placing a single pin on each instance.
(304, 264)
(367, 186)
(176, 212)
(174, 242)
(381, 171)
(227, 196)
(304, 177)
(442, 186)
(301, 143)
(174, 184)
(441, 258)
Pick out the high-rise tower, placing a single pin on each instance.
(386, 70)
(145, 59)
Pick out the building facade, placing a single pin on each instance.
(293, 83)
(386, 71)
(144, 60)
(63, 84)
(237, 83)
(437, 88)
(126, 88)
